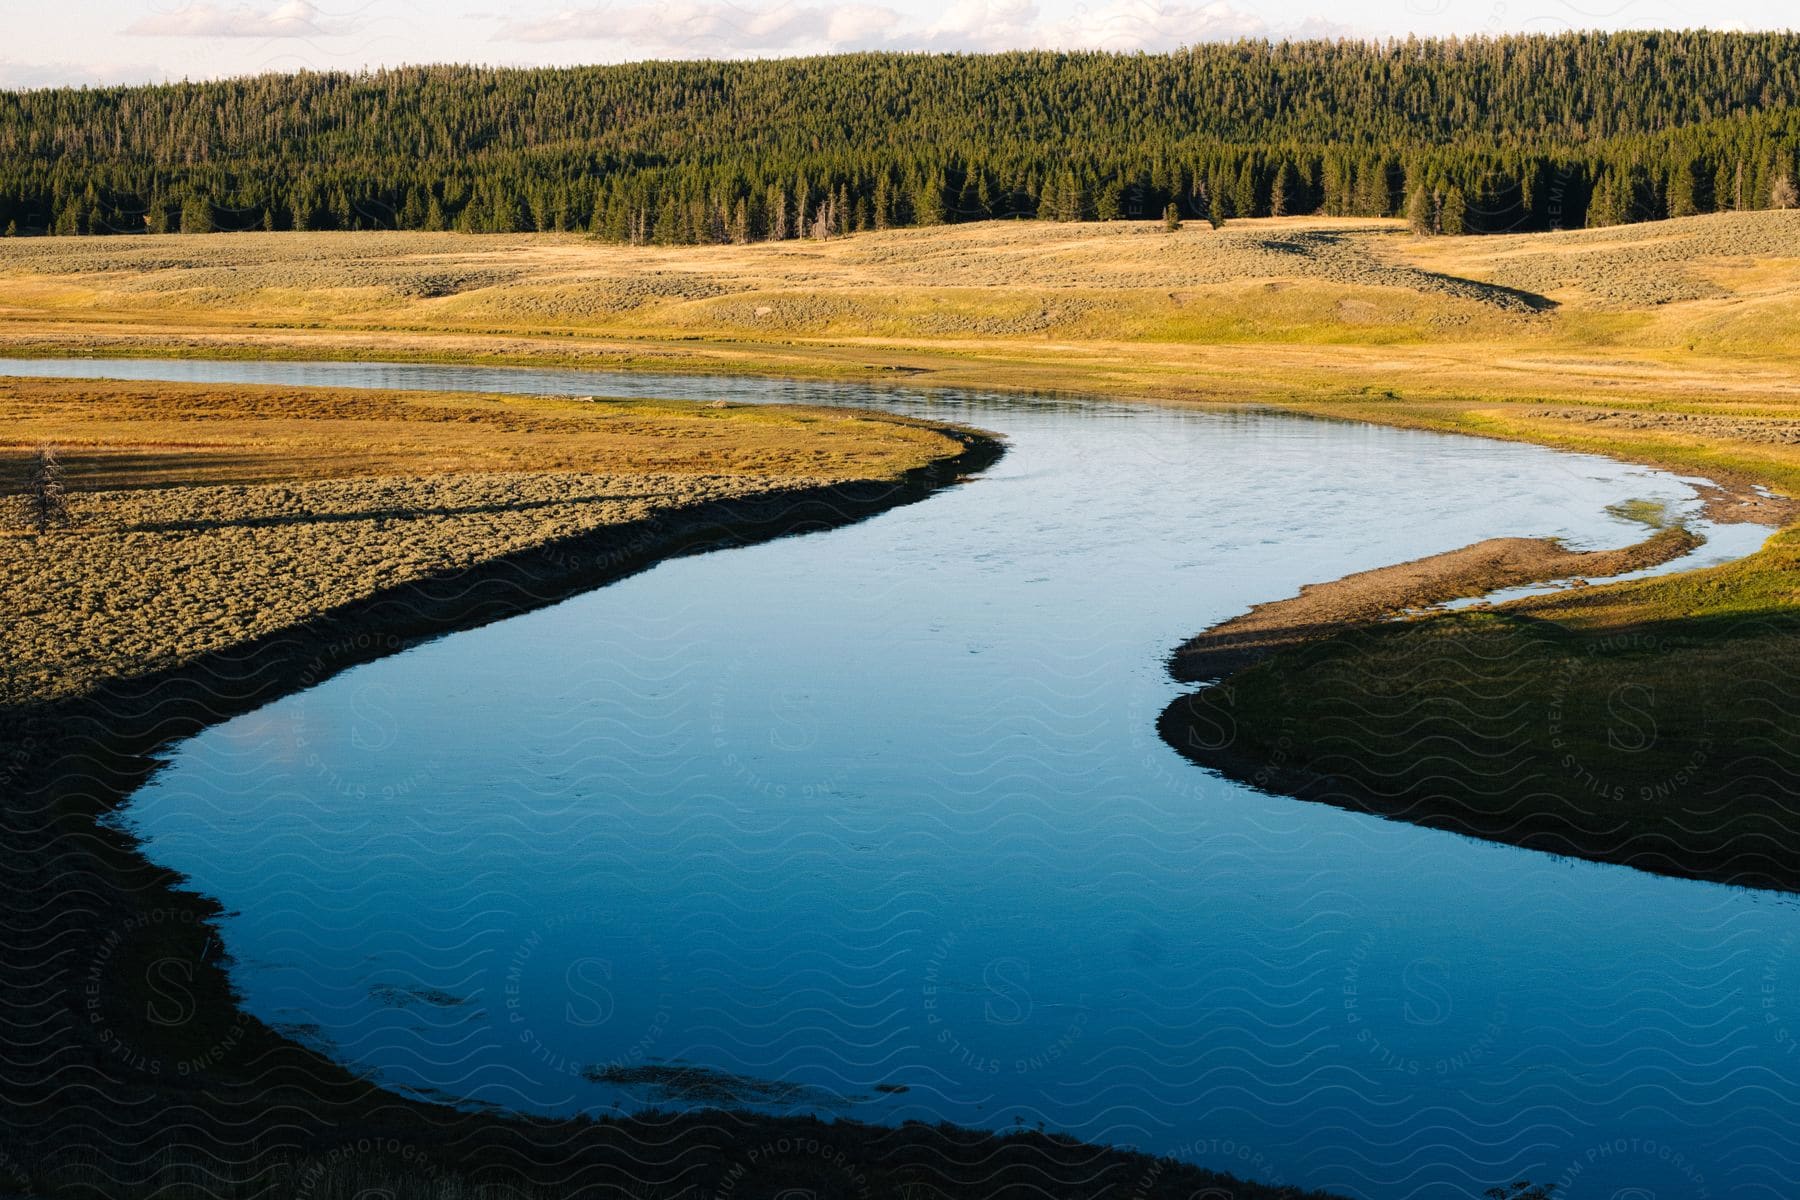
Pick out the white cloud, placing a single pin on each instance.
(685, 28)
(721, 29)
(1146, 25)
(16, 75)
(980, 25)
(291, 19)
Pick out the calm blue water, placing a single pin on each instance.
(886, 806)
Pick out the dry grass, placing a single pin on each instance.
(208, 517)
(118, 434)
(1684, 310)
(1124, 279)
(1347, 317)
(1634, 266)
(1001, 279)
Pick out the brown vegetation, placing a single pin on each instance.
(1112, 279)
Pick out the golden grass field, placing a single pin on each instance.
(1592, 339)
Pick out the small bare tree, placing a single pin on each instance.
(1783, 194)
(46, 499)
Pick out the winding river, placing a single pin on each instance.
(876, 823)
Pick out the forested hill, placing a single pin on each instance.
(1478, 135)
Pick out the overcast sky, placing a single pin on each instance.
(132, 41)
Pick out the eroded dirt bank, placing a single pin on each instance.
(1322, 609)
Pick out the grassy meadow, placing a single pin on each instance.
(1676, 342)
(231, 543)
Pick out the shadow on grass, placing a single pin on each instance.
(1671, 746)
(375, 514)
(1492, 293)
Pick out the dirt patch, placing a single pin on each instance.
(1747, 504)
(1322, 609)
(1764, 431)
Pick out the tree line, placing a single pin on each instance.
(1458, 135)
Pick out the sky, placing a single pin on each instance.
(136, 41)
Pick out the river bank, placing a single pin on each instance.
(1368, 597)
(1647, 723)
(112, 974)
(1639, 385)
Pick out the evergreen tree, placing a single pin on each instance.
(1682, 191)
(1070, 204)
(803, 205)
(1638, 197)
(1453, 213)
(1372, 195)
(1722, 188)
(1244, 198)
(667, 227)
(884, 201)
(196, 215)
(1282, 190)
(1710, 120)
(928, 199)
(1110, 204)
(1605, 206)
(46, 498)
(776, 205)
(1419, 215)
(1760, 186)
(1336, 185)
